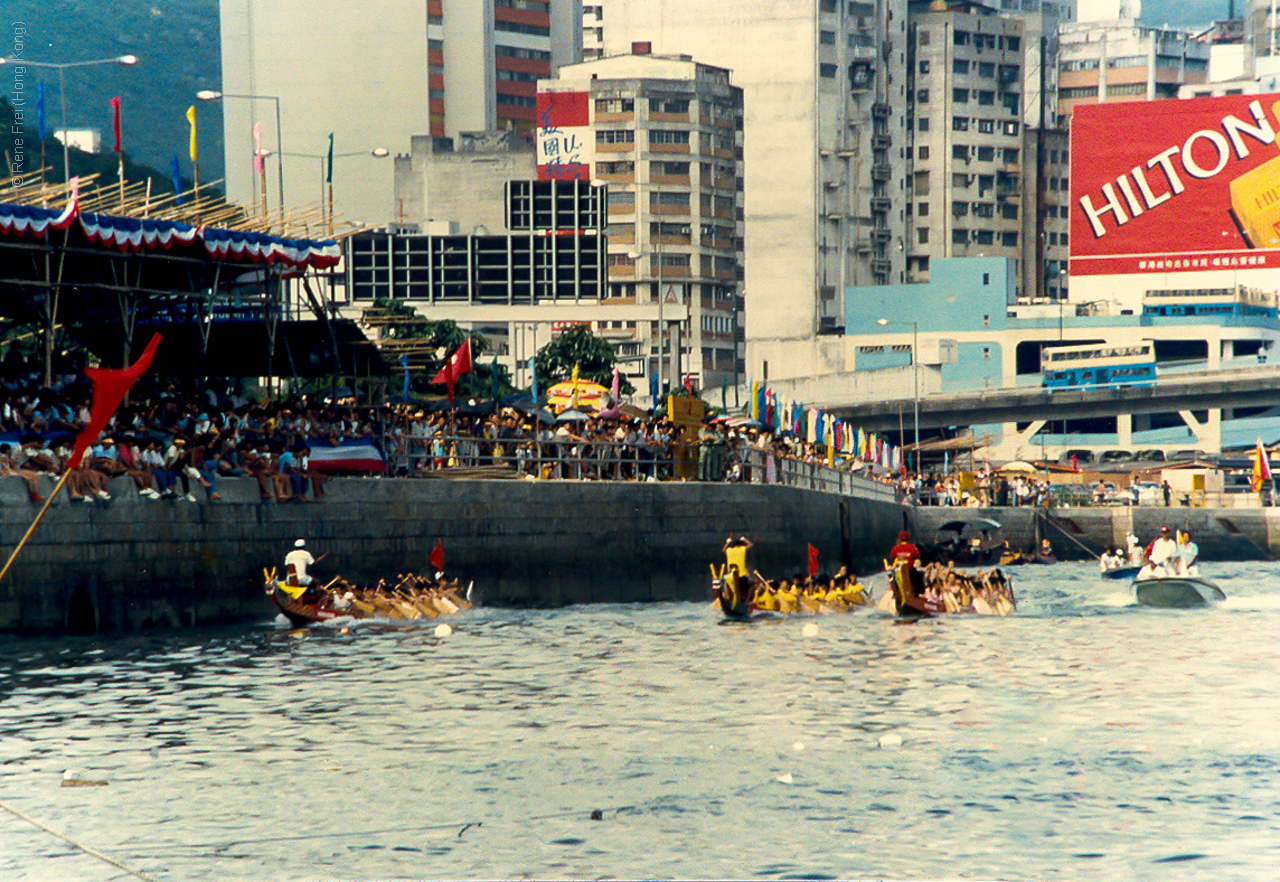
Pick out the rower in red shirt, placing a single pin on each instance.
(905, 548)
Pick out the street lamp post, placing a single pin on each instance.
(122, 60)
(210, 95)
(915, 380)
(376, 152)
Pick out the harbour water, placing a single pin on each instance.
(1082, 738)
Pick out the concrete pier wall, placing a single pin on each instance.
(134, 563)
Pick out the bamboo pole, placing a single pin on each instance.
(32, 528)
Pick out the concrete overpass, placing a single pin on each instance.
(1251, 387)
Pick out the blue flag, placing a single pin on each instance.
(177, 179)
(533, 372)
(404, 363)
(40, 111)
(653, 388)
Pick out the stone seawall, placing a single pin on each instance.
(133, 563)
(1082, 533)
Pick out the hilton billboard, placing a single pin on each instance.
(1175, 186)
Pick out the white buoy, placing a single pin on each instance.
(785, 779)
(810, 629)
(443, 630)
(891, 739)
(798, 746)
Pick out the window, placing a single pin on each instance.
(922, 235)
(922, 96)
(959, 236)
(923, 124)
(986, 126)
(1010, 127)
(1009, 239)
(986, 98)
(1011, 155)
(827, 38)
(986, 68)
(679, 169)
(960, 96)
(924, 67)
(515, 27)
(923, 37)
(986, 154)
(922, 152)
(1013, 44)
(518, 52)
(615, 105)
(959, 179)
(960, 38)
(985, 237)
(923, 209)
(668, 105)
(959, 123)
(622, 197)
(959, 209)
(617, 168)
(666, 197)
(668, 136)
(960, 152)
(984, 209)
(615, 136)
(960, 66)
(1009, 211)
(827, 71)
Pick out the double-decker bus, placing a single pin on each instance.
(1099, 364)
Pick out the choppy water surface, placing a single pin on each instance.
(1083, 738)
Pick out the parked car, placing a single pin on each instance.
(1149, 455)
(1116, 456)
(1148, 493)
(1069, 495)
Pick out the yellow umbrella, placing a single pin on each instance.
(590, 396)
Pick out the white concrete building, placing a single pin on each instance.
(824, 92)
(664, 133)
(376, 76)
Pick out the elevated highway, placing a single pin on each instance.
(1250, 387)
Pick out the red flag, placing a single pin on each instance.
(457, 365)
(437, 556)
(109, 389)
(1074, 467)
(813, 561)
(688, 387)
(115, 119)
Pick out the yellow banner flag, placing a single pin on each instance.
(191, 118)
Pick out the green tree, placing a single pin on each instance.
(428, 345)
(593, 355)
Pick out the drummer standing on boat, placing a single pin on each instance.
(299, 559)
(735, 553)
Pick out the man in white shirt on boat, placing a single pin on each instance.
(1187, 555)
(1161, 556)
(299, 559)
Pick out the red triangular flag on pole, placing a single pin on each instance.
(115, 120)
(813, 561)
(457, 365)
(110, 386)
(437, 556)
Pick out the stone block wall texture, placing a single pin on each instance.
(137, 563)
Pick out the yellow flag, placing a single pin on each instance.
(575, 386)
(191, 118)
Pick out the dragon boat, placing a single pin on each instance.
(762, 600)
(915, 593)
(410, 599)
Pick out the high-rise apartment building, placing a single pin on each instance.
(665, 135)
(824, 94)
(376, 77)
(988, 169)
(1122, 61)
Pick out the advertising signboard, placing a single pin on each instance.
(566, 145)
(1175, 186)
